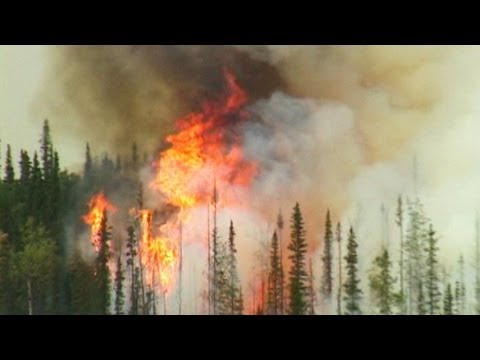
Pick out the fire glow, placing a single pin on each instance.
(97, 204)
(206, 146)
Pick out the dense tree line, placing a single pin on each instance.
(42, 270)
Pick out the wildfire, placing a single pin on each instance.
(159, 254)
(206, 146)
(97, 204)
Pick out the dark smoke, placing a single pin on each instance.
(114, 95)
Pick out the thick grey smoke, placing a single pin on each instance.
(334, 126)
(114, 95)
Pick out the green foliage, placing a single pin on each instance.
(381, 283)
(432, 278)
(298, 275)
(119, 295)
(36, 264)
(448, 301)
(274, 279)
(102, 272)
(352, 291)
(327, 277)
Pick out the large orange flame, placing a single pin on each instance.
(207, 146)
(159, 255)
(97, 204)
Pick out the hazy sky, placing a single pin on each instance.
(22, 72)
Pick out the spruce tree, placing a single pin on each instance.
(416, 237)
(275, 279)
(134, 273)
(353, 293)
(338, 235)
(421, 308)
(102, 272)
(399, 222)
(327, 277)
(236, 305)
(280, 225)
(381, 283)
(119, 295)
(9, 171)
(25, 168)
(448, 301)
(432, 278)
(298, 274)
(88, 166)
(46, 150)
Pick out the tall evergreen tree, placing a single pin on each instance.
(448, 301)
(298, 274)
(102, 272)
(280, 225)
(416, 238)
(327, 277)
(460, 294)
(88, 166)
(134, 270)
(338, 235)
(353, 293)
(275, 279)
(432, 278)
(399, 222)
(421, 308)
(46, 150)
(381, 283)
(234, 290)
(25, 167)
(9, 171)
(119, 295)
(311, 290)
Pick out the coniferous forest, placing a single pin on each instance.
(44, 272)
(239, 180)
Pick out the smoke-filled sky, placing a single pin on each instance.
(335, 126)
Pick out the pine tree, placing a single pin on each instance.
(448, 301)
(234, 290)
(46, 150)
(102, 272)
(432, 278)
(461, 287)
(298, 275)
(327, 278)
(381, 283)
(88, 166)
(9, 171)
(119, 296)
(280, 225)
(421, 309)
(416, 238)
(311, 290)
(338, 236)
(25, 168)
(275, 279)
(399, 222)
(353, 293)
(134, 273)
